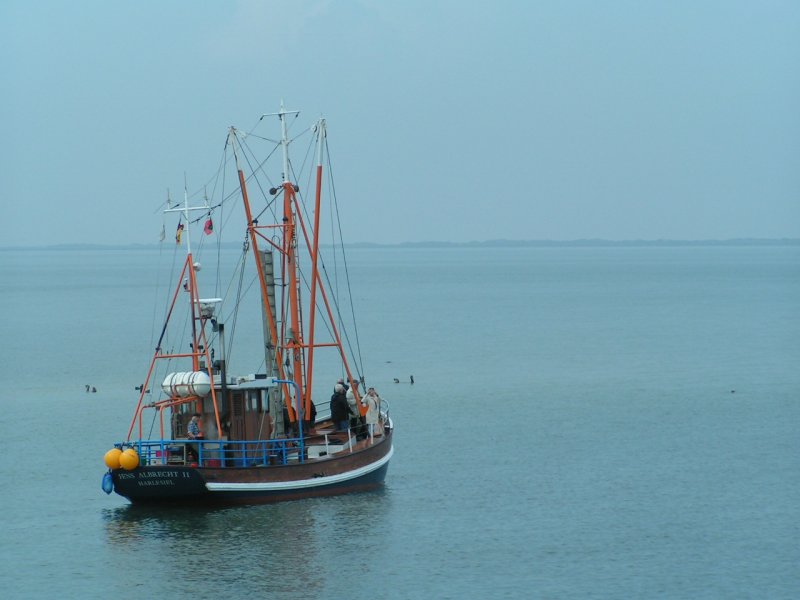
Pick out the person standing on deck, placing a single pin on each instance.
(372, 401)
(339, 408)
(193, 432)
(356, 420)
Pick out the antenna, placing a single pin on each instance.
(185, 211)
(281, 114)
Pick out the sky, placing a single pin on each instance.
(449, 121)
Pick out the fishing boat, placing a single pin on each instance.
(209, 436)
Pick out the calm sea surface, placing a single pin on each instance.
(585, 423)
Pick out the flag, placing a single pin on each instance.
(178, 233)
(209, 228)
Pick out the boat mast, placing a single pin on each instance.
(199, 342)
(191, 285)
(294, 343)
(314, 253)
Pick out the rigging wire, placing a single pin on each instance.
(355, 352)
(153, 424)
(304, 205)
(237, 303)
(157, 289)
(157, 295)
(335, 207)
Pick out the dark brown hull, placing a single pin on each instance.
(363, 469)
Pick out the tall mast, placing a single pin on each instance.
(314, 253)
(191, 279)
(185, 212)
(198, 348)
(295, 342)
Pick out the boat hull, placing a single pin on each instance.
(360, 470)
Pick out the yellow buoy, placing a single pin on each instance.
(129, 460)
(112, 458)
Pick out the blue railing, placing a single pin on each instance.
(217, 453)
(236, 453)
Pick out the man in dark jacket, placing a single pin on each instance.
(339, 410)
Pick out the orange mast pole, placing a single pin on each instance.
(296, 342)
(195, 304)
(196, 340)
(314, 268)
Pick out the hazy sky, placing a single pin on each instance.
(450, 120)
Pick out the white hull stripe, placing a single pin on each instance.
(277, 486)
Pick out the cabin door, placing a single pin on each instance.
(238, 429)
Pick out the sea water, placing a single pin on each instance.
(585, 422)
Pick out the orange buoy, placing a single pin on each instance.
(129, 460)
(112, 458)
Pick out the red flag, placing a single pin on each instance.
(178, 233)
(209, 228)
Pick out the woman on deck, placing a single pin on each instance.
(373, 402)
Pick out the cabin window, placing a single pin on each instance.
(180, 430)
(255, 401)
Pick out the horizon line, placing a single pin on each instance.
(580, 242)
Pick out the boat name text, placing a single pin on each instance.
(156, 477)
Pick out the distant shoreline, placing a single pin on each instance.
(583, 243)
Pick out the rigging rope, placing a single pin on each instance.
(335, 205)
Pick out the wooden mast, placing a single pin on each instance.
(295, 342)
(314, 268)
